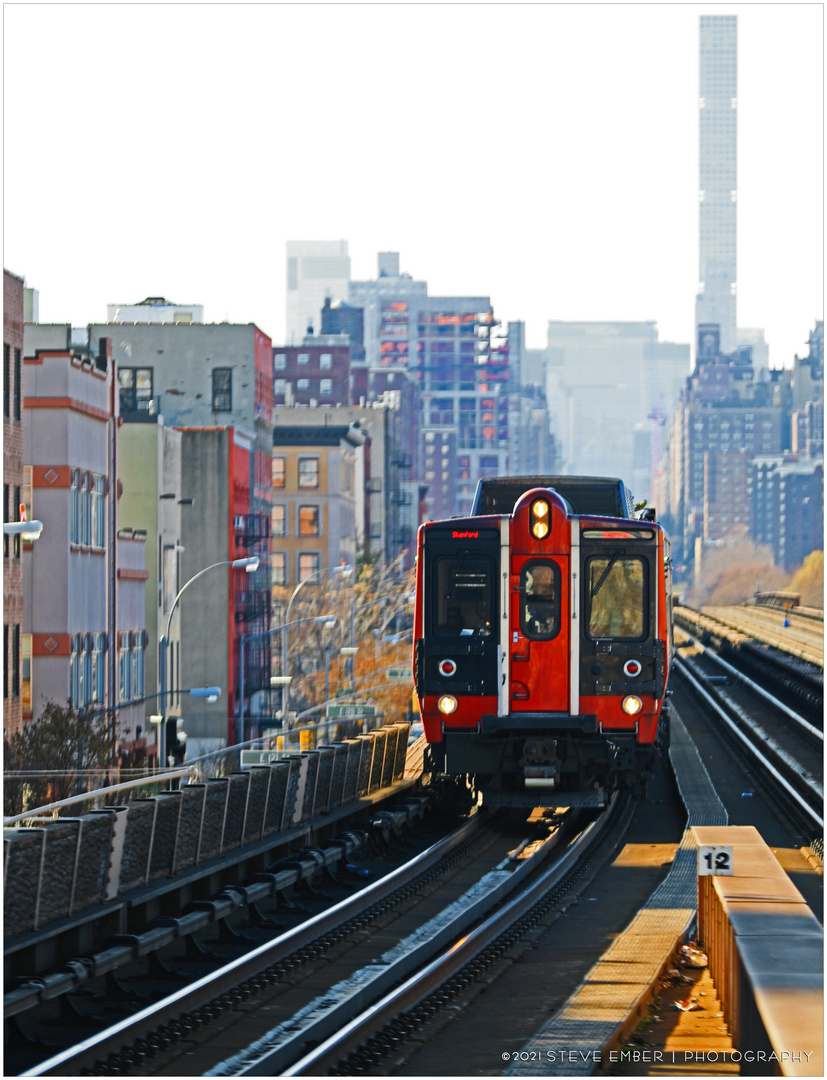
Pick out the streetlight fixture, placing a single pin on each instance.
(325, 620)
(345, 650)
(249, 564)
(347, 570)
(26, 530)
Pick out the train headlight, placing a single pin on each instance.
(447, 704)
(631, 705)
(632, 668)
(539, 519)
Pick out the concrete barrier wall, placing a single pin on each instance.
(54, 870)
(765, 950)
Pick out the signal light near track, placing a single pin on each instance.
(539, 519)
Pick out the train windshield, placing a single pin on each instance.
(616, 597)
(464, 593)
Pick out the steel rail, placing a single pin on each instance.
(764, 761)
(85, 1054)
(461, 953)
(755, 688)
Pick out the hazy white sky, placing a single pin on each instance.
(543, 155)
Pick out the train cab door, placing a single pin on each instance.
(540, 633)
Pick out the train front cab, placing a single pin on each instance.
(503, 694)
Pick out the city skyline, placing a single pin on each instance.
(194, 181)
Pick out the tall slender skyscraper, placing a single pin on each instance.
(718, 189)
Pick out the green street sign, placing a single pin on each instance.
(351, 712)
(399, 674)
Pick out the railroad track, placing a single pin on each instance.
(780, 749)
(803, 637)
(160, 1039)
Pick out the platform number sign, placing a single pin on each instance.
(714, 860)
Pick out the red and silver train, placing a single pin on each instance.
(543, 641)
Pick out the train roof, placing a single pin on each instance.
(603, 496)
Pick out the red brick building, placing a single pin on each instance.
(12, 497)
(315, 372)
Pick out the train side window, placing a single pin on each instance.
(616, 597)
(464, 596)
(540, 600)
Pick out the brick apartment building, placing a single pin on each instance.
(317, 372)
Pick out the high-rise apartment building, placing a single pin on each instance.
(316, 270)
(717, 181)
(786, 494)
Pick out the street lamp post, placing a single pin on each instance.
(249, 564)
(346, 650)
(347, 571)
(325, 620)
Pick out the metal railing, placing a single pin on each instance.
(55, 870)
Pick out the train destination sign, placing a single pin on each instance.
(351, 712)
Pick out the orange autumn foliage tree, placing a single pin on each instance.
(808, 580)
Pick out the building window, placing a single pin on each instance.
(304, 358)
(84, 674)
(26, 675)
(74, 507)
(7, 381)
(326, 361)
(278, 563)
(135, 387)
(15, 516)
(137, 665)
(309, 563)
(280, 362)
(279, 520)
(74, 671)
(222, 390)
(85, 510)
(6, 517)
(279, 386)
(98, 512)
(326, 386)
(303, 384)
(308, 472)
(277, 472)
(124, 668)
(15, 661)
(98, 670)
(309, 521)
(17, 391)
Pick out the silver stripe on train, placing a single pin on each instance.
(504, 647)
(574, 640)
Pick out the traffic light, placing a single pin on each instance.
(176, 741)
